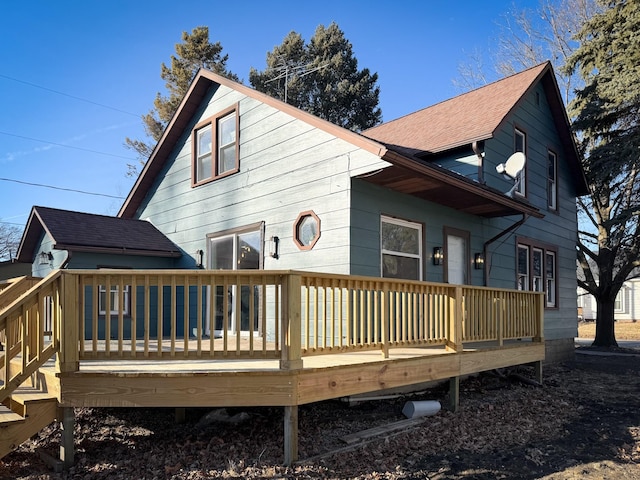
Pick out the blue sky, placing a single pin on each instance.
(75, 76)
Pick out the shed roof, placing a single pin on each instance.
(86, 232)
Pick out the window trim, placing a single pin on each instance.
(213, 122)
(407, 223)
(552, 189)
(522, 185)
(534, 245)
(620, 298)
(296, 230)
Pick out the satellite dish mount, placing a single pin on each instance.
(512, 170)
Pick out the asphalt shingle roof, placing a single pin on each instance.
(77, 231)
(469, 117)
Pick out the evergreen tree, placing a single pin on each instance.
(322, 77)
(195, 52)
(607, 123)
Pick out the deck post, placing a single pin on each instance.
(454, 339)
(290, 434)
(538, 368)
(67, 450)
(68, 359)
(384, 305)
(291, 355)
(540, 317)
(454, 394)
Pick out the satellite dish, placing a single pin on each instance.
(512, 169)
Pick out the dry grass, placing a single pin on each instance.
(623, 330)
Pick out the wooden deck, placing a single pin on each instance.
(315, 337)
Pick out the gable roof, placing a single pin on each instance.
(477, 115)
(407, 174)
(85, 232)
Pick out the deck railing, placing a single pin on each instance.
(253, 314)
(30, 328)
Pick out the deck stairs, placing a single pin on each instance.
(23, 414)
(26, 407)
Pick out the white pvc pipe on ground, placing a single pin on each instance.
(422, 408)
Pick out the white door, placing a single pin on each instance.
(457, 261)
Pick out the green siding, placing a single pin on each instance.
(286, 167)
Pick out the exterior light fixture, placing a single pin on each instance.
(274, 243)
(478, 261)
(438, 256)
(199, 258)
(44, 258)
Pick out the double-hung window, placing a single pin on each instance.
(520, 145)
(552, 186)
(115, 299)
(401, 249)
(536, 267)
(215, 147)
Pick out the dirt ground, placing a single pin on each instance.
(584, 422)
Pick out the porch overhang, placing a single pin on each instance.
(435, 184)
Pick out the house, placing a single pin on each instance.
(626, 307)
(257, 232)
(236, 165)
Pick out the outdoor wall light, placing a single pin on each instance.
(274, 242)
(478, 261)
(44, 258)
(199, 258)
(438, 256)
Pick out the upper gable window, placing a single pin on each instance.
(216, 147)
(520, 145)
(552, 184)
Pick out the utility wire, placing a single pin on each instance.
(60, 188)
(65, 146)
(70, 96)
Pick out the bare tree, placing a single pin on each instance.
(9, 241)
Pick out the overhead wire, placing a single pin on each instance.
(64, 145)
(68, 95)
(61, 188)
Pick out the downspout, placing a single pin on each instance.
(64, 264)
(480, 154)
(485, 247)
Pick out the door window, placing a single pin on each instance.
(240, 250)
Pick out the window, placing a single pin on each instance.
(215, 147)
(552, 187)
(114, 300)
(401, 249)
(306, 230)
(523, 267)
(550, 273)
(536, 269)
(618, 304)
(520, 145)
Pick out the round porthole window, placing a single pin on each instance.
(306, 230)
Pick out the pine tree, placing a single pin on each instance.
(195, 52)
(322, 78)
